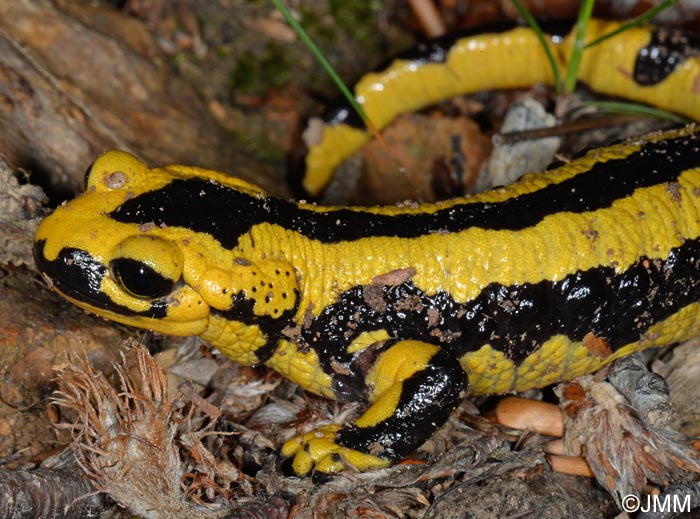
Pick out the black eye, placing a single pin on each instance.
(141, 280)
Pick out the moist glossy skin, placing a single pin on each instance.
(642, 64)
(407, 309)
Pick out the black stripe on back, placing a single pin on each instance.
(227, 214)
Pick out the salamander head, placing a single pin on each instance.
(143, 247)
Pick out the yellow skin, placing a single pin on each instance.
(292, 276)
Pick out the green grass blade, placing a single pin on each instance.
(635, 21)
(543, 41)
(584, 14)
(636, 109)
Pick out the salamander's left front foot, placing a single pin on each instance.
(317, 451)
(414, 388)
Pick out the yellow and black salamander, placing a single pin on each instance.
(405, 308)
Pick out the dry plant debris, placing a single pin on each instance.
(171, 456)
(145, 448)
(623, 450)
(166, 456)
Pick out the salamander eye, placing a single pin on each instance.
(147, 267)
(140, 280)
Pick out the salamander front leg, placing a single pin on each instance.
(414, 386)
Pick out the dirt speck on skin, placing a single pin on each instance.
(674, 189)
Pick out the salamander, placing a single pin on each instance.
(643, 64)
(407, 308)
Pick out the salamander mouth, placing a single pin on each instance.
(78, 276)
